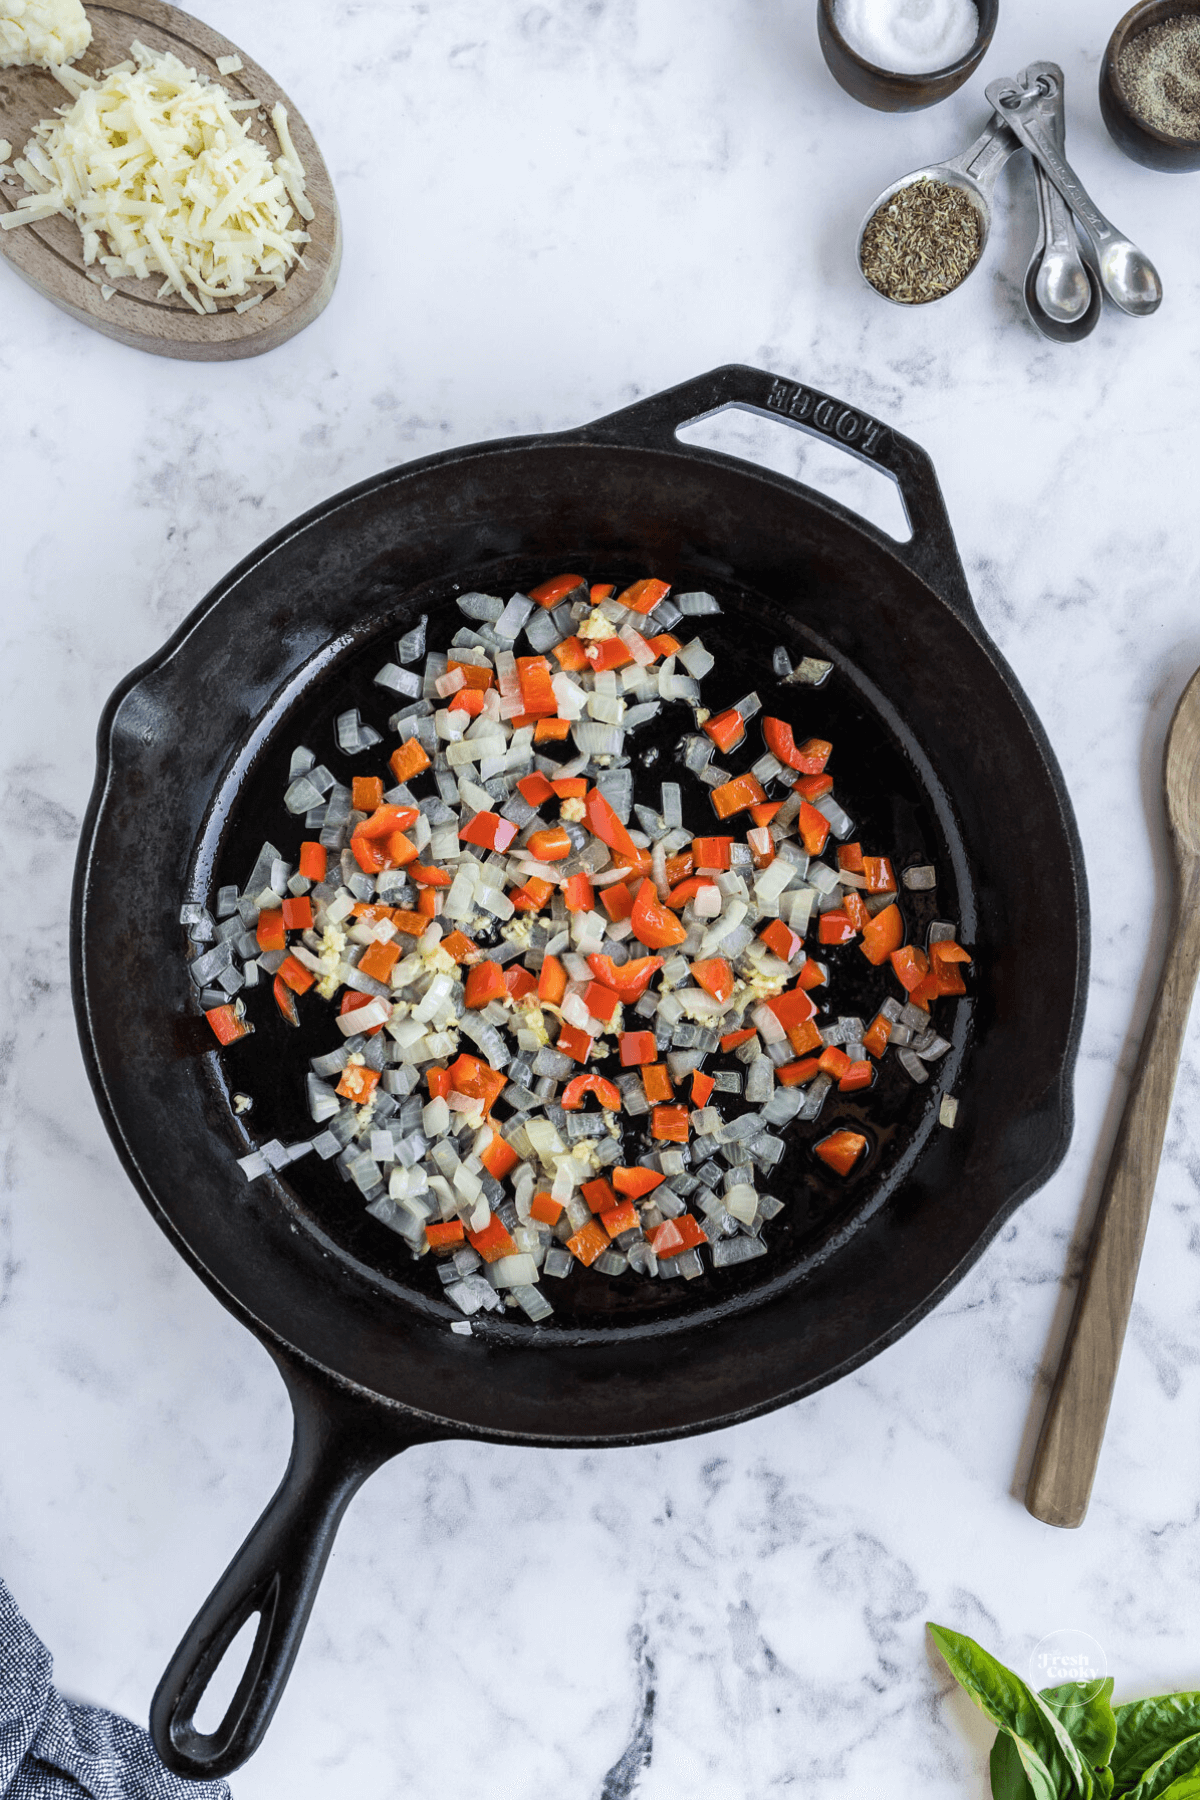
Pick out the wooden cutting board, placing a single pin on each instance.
(49, 254)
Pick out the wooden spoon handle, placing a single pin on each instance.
(1064, 1466)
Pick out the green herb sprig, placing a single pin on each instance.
(1069, 1743)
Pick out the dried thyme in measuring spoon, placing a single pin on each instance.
(922, 243)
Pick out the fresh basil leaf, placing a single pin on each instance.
(1104, 1782)
(1049, 1758)
(1009, 1780)
(1186, 1788)
(1182, 1759)
(1091, 1722)
(1147, 1729)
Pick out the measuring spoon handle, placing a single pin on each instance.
(983, 161)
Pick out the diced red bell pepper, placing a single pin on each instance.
(656, 1083)
(429, 902)
(571, 656)
(715, 976)
(882, 935)
(409, 760)
(603, 823)
(855, 909)
(589, 1242)
(574, 1043)
(777, 735)
(637, 1047)
(617, 900)
(674, 1236)
(459, 946)
(944, 956)
(369, 853)
(294, 973)
(911, 966)
(533, 896)
(679, 867)
(366, 793)
(580, 1086)
(467, 700)
(664, 644)
(378, 960)
(270, 931)
(385, 820)
(813, 787)
(629, 980)
(653, 924)
(878, 1036)
(762, 815)
(732, 1039)
(623, 1217)
(880, 877)
(285, 1000)
(804, 1037)
(552, 981)
(833, 1061)
(485, 983)
(439, 1082)
(792, 1007)
(475, 675)
(599, 1194)
(858, 1075)
(550, 845)
(850, 858)
(735, 796)
(570, 787)
(229, 1026)
(670, 1123)
(782, 940)
(545, 1209)
(834, 927)
(644, 596)
(313, 861)
(841, 1150)
(796, 1073)
(519, 982)
(425, 875)
(550, 593)
(470, 1076)
(412, 924)
(602, 1002)
(358, 1083)
(601, 590)
(537, 695)
(535, 789)
(727, 730)
(499, 1159)
(702, 1087)
(443, 1233)
(711, 852)
(812, 755)
(813, 827)
(488, 830)
(636, 1182)
(609, 653)
(493, 1241)
(812, 973)
(551, 731)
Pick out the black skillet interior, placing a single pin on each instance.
(939, 757)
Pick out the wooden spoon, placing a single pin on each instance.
(49, 255)
(1064, 1466)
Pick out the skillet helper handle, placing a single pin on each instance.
(338, 1441)
(1064, 1465)
(931, 553)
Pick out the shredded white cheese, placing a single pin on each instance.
(159, 173)
(228, 65)
(42, 33)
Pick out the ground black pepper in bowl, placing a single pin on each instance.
(1160, 72)
(921, 243)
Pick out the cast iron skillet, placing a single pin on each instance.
(948, 764)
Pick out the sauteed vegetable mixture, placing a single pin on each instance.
(568, 1028)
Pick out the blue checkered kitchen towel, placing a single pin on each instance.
(54, 1749)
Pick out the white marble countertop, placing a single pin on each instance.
(587, 200)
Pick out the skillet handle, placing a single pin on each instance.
(931, 553)
(339, 1439)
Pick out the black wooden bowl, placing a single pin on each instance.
(886, 89)
(1138, 139)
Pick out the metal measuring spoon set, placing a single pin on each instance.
(1079, 255)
